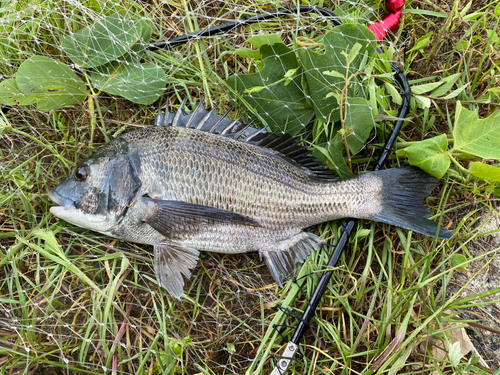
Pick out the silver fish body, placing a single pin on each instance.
(200, 182)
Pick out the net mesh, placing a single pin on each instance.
(73, 301)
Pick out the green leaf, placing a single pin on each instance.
(426, 87)
(429, 155)
(11, 95)
(493, 36)
(479, 137)
(422, 42)
(144, 30)
(353, 53)
(281, 108)
(485, 171)
(423, 101)
(393, 92)
(53, 84)
(447, 84)
(495, 91)
(456, 92)
(335, 156)
(426, 13)
(260, 40)
(139, 83)
(458, 259)
(4, 126)
(104, 41)
(247, 53)
(362, 233)
(359, 123)
(333, 73)
(337, 44)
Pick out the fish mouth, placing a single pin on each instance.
(63, 202)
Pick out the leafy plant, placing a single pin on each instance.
(327, 81)
(473, 139)
(112, 48)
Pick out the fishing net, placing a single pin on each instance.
(77, 74)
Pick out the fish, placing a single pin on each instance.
(201, 182)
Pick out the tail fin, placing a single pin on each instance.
(402, 193)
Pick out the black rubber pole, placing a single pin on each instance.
(244, 22)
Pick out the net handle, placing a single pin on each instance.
(244, 22)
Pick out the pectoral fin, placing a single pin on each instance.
(171, 217)
(172, 260)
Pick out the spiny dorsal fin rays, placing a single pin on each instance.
(250, 139)
(205, 119)
(198, 108)
(238, 135)
(222, 118)
(227, 129)
(178, 114)
(284, 146)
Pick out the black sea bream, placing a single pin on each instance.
(200, 182)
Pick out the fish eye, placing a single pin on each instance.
(82, 173)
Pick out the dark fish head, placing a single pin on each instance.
(98, 192)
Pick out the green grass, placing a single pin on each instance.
(73, 301)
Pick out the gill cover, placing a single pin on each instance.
(122, 186)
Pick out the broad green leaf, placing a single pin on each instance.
(333, 73)
(144, 30)
(359, 123)
(493, 36)
(104, 41)
(479, 137)
(422, 42)
(456, 92)
(282, 108)
(11, 95)
(393, 92)
(52, 83)
(335, 156)
(353, 53)
(485, 171)
(457, 260)
(139, 83)
(263, 39)
(447, 84)
(465, 9)
(426, 87)
(247, 53)
(495, 91)
(429, 155)
(337, 45)
(423, 101)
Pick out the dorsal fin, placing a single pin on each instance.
(285, 146)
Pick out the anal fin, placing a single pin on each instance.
(172, 260)
(281, 261)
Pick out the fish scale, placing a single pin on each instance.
(201, 182)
